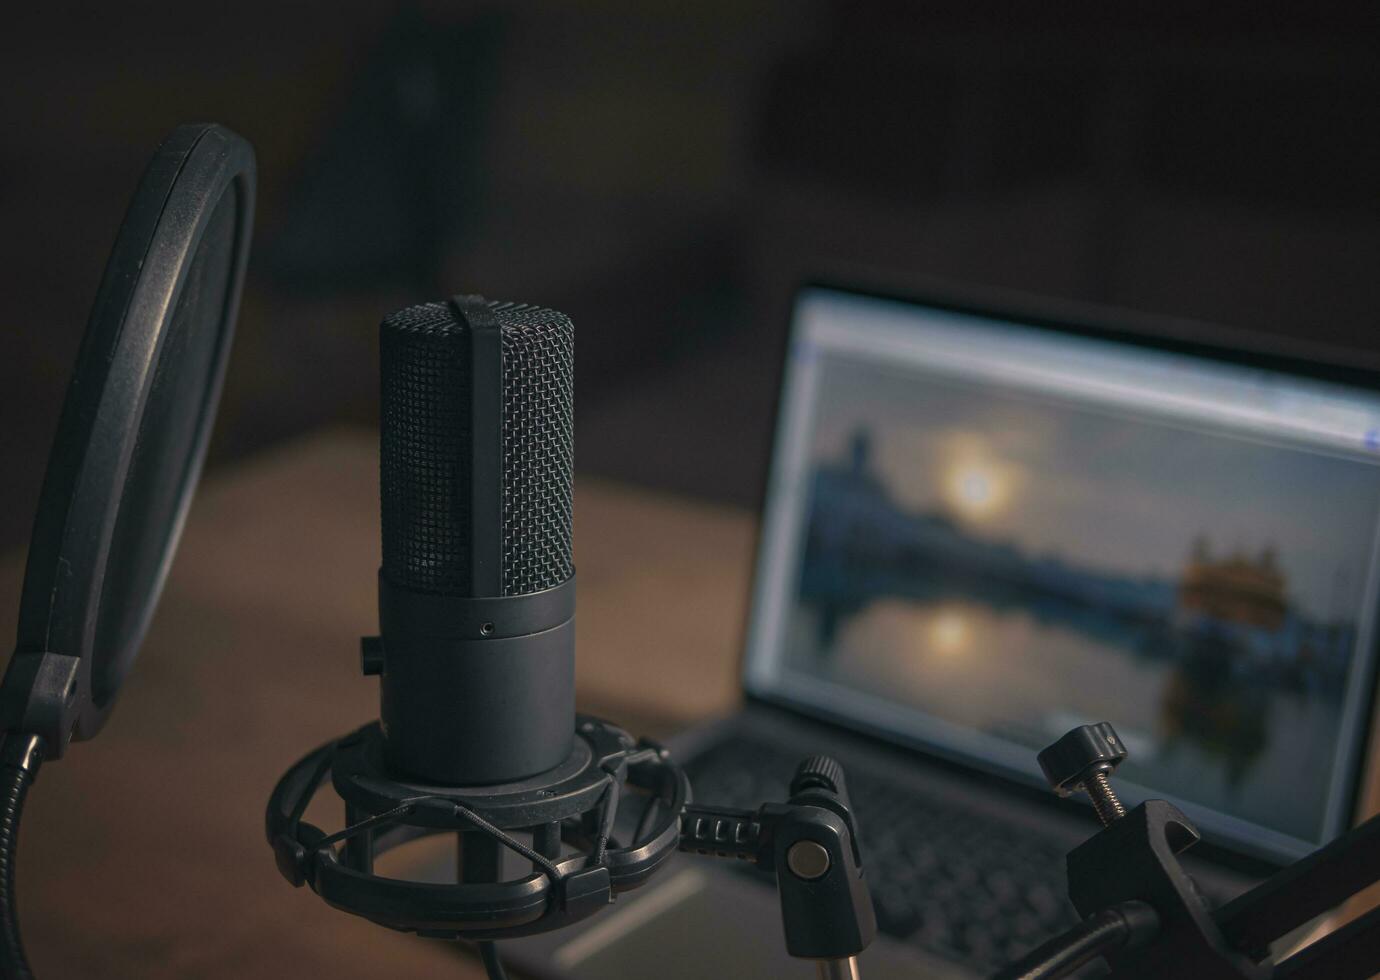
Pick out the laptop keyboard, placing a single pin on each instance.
(973, 890)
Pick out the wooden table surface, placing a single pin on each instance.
(142, 853)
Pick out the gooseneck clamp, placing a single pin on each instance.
(1145, 916)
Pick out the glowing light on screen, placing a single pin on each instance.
(977, 488)
(949, 632)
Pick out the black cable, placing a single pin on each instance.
(1127, 924)
(508, 841)
(19, 762)
(488, 952)
(607, 813)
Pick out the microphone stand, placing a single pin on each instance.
(810, 843)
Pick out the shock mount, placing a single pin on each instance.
(575, 864)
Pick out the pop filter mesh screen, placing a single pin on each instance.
(425, 450)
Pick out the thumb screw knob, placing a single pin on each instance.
(818, 772)
(1083, 759)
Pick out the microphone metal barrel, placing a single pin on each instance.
(476, 592)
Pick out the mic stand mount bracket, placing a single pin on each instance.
(576, 804)
(1147, 918)
(810, 843)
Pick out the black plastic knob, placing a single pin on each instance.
(819, 772)
(1083, 753)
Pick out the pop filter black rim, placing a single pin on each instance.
(132, 436)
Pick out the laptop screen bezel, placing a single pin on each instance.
(1210, 342)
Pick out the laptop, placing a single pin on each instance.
(982, 529)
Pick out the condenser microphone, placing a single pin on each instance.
(478, 735)
(476, 653)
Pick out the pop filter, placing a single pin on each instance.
(132, 436)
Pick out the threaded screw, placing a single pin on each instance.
(1104, 798)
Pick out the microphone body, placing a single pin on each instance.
(478, 735)
(476, 654)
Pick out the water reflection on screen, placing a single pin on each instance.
(1016, 563)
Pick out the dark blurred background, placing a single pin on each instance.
(665, 172)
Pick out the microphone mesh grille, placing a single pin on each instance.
(424, 449)
(426, 457)
(538, 446)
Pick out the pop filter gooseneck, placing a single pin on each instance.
(125, 461)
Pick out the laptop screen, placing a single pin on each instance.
(980, 534)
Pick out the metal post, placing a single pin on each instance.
(839, 969)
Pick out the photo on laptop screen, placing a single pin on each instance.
(981, 535)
